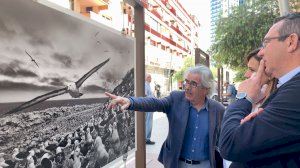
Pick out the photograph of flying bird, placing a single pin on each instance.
(46, 122)
(33, 60)
(98, 41)
(72, 89)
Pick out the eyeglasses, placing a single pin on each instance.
(268, 39)
(191, 83)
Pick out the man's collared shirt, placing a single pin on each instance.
(282, 80)
(195, 144)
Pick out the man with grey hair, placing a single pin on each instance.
(269, 137)
(194, 121)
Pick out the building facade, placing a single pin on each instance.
(216, 10)
(171, 33)
(220, 8)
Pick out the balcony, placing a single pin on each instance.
(93, 2)
(157, 57)
(86, 6)
(176, 29)
(154, 12)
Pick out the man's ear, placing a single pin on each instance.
(293, 42)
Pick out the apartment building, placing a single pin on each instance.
(171, 33)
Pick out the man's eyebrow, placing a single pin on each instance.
(252, 69)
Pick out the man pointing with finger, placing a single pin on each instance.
(194, 121)
(271, 137)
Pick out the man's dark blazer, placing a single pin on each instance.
(176, 107)
(271, 139)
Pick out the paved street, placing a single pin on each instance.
(159, 134)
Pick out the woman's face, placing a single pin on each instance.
(253, 65)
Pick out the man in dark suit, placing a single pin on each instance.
(271, 136)
(194, 120)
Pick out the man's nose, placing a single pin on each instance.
(261, 52)
(247, 74)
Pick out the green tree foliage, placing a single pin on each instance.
(294, 5)
(214, 71)
(242, 31)
(188, 62)
(239, 76)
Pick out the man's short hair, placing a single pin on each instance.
(206, 76)
(253, 54)
(291, 24)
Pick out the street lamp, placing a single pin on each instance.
(283, 7)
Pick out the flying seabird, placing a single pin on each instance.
(98, 41)
(33, 60)
(72, 89)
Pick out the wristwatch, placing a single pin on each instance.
(243, 95)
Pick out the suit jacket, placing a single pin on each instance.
(176, 107)
(271, 139)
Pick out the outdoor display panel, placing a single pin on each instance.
(55, 66)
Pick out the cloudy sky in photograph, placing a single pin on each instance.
(64, 49)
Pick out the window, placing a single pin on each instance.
(88, 9)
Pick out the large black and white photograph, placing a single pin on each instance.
(55, 66)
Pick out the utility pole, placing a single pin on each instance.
(139, 33)
(283, 7)
(197, 56)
